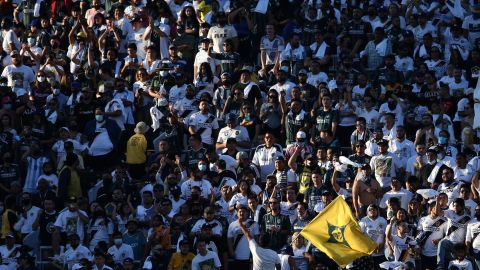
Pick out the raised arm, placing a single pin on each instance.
(245, 231)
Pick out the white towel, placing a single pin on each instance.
(381, 47)
(262, 6)
(156, 115)
(36, 8)
(476, 98)
(248, 88)
(321, 51)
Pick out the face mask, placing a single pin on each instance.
(431, 162)
(118, 241)
(301, 144)
(164, 20)
(99, 118)
(163, 73)
(202, 167)
(441, 156)
(56, 92)
(68, 246)
(7, 106)
(41, 78)
(442, 140)
(31, 41)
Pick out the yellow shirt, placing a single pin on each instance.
(203, 8)
(74, 186)
(180, 261)
(137, 149)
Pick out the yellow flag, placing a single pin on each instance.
(336, 233)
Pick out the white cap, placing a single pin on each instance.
(301, 135)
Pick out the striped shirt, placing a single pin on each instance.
(34, 170)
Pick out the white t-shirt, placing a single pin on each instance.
(19, 77)
(70, 223)
(210, 259)
(204, 185)
(263, 259)
(403, 195)
(473, 229)
(240, 133)
(436, 228)
(242, 252)
(271, 48)
(456, 226)
(121, 253)
(102, 229)
(6, 259)
(206, 122)
(464, 265)
(374, 228)
(217, 228)
(286, 87)
(219, 34)
(10, 37)
(73, 256)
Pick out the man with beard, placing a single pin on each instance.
(76, 251)
(186, 106)
(295, 120)
(457, 221)
(229, 58)
(358, 30)
(395, 106)
(222, 92)
(19, 76)
(69, 222)
(388, 75)
(384, 165)
(204, 124)
(276, 226)
(374, 226)
(103, 135)
(237, 243)
(244, 163)
(326, 118)
(197, 180)
(10, 39)
(308, 92)
(365, 191)
(222, 32)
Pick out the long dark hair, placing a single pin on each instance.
(208, 71)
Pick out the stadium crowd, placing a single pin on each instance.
(206, 134)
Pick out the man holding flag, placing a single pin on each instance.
(336, 233)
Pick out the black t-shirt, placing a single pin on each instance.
(8, 174)
(47, 228)
(85, 112)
